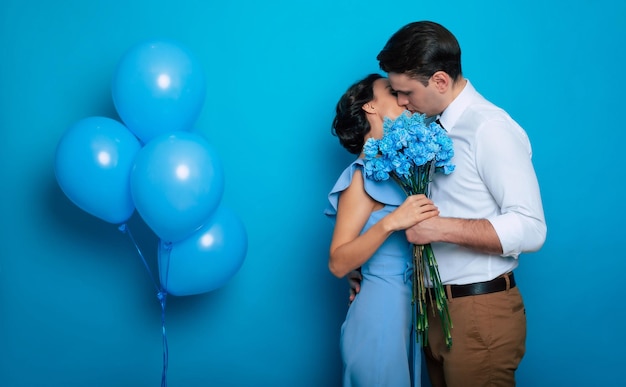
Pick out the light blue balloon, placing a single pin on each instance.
(206, 260)
(158, 87)
(93, 161)
(176, 183)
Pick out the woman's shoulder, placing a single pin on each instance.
(346, 176)
(386, 192)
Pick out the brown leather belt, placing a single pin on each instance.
(498, 284)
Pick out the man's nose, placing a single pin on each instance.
(402, 100)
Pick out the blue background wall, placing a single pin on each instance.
(77, 307)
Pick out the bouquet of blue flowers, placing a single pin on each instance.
(410, 152)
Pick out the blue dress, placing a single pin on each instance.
(378, 345)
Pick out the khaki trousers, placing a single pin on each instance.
(488, 341)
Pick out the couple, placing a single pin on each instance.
(481, 217)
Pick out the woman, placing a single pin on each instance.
(377, 343)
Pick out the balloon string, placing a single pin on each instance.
(126, 230)
(161, 295)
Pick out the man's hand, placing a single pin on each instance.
(354, 279)
(423, 232)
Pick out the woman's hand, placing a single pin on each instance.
(415, 209)
(354, 280)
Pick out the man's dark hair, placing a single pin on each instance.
(419, 50)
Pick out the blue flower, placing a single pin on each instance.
(386, 145)
(377, 169)
(370, 149)
(402, 166)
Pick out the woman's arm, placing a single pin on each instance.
(349, 248)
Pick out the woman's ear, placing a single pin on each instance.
(369, 108)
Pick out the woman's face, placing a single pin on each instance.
(385, 104)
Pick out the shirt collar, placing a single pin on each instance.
(453, 112)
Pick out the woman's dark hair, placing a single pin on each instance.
(419, 50)
(350, 123)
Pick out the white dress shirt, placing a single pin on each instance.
(494, 179)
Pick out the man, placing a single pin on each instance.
(490, 210)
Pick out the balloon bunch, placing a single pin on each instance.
(153, 162)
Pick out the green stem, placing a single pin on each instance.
(425, 266)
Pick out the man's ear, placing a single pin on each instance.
(442, 81)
